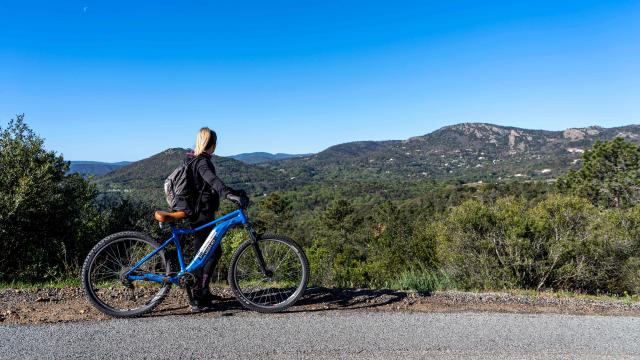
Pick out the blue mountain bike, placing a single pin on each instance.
(128, 274)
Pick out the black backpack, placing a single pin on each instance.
(179, 188)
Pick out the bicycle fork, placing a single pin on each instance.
(253, 236)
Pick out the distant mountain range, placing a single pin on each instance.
(95, 168)
(466, 152)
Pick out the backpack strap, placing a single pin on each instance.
(197, 204)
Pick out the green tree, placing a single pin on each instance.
(398, 243)
(41, 206)
(276, 213)
(337, 253)
(609, 176)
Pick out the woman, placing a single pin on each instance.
(210, 189)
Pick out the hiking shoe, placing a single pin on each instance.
(204, 301)
(208, 297)
(197, 308)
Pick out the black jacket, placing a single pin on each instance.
(210, 189)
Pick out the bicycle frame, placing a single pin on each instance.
(222, 225)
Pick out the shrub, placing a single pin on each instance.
(562, 243)
(482, 245)
(560, 232)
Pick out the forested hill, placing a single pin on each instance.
(469, 152)
(466, 152)
(145, 178)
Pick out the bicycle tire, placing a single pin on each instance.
(290, 300)
(90, 292)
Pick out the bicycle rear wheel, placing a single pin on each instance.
(104, 281)
(285, 283)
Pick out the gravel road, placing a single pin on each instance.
(330, 335)
(36, 306)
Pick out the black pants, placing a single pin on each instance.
(204, 277)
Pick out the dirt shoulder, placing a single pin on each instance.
(21, 306)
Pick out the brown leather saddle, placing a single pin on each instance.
(164, 216)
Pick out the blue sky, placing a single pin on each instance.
(122, 80)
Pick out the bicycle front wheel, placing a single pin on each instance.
(286, 279)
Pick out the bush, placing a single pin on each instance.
(561, 227)
(483, 246)
(562, 243)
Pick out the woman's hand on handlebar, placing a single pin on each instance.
(239, 198)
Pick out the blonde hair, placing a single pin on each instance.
(206, 140)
